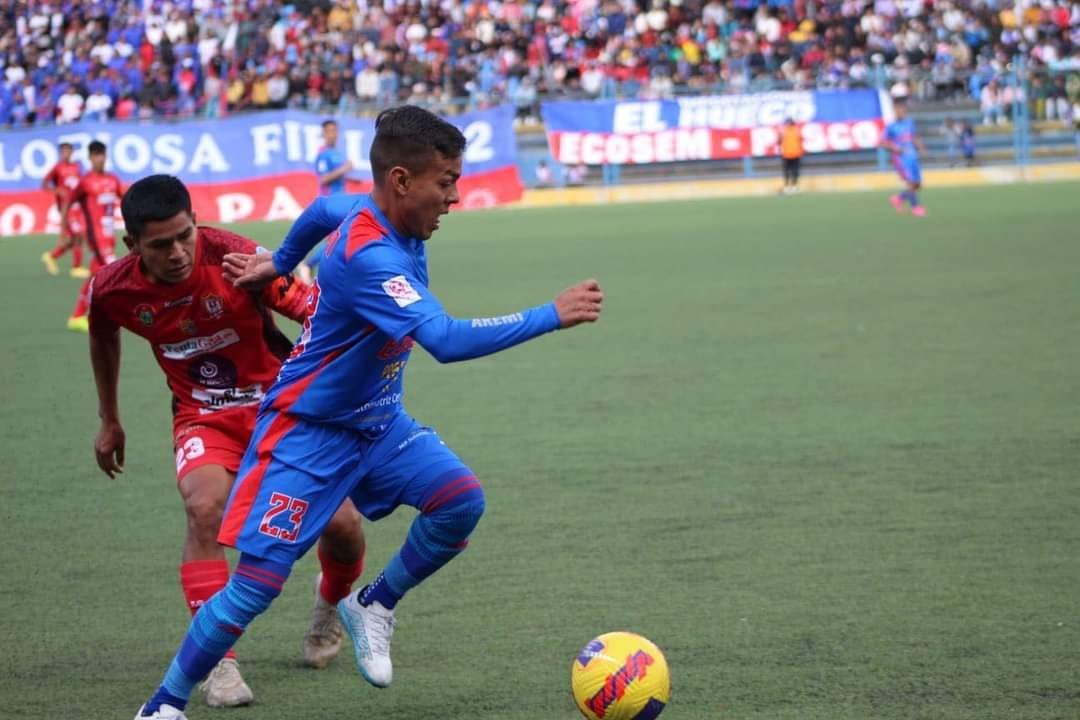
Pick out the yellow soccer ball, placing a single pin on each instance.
(620, 676)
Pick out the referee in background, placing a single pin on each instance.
(791, 151)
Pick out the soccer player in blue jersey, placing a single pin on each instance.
(905, 146)
(333, 425)
(331, 168)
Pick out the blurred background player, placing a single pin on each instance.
(331, 167)
(98, 193)
(333, 425)
(220, 350)
(791, 153)
(61, 180)
(900, 140)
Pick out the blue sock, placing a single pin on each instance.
(217, 626)
(911, 197)
(436, 537)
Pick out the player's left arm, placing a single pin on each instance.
(450, 339)
(919, 145)
(389, 296)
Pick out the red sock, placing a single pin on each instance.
(200, 580)
(337, 578)
(82, 305)
(76, 255)
(58, 251)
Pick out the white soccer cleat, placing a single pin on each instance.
(370, 629)
(322, 643)
(165, 712)
(224, 686)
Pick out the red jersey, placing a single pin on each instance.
(99, 194)
(64, 178)
(217, 344)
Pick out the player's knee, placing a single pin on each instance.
(456, 519)
(204, 513)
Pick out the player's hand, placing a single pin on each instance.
(250, 272)
(109, 448)
(579, 304)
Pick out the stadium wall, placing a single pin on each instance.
(846, 182)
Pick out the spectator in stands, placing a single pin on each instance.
(967, 143)
(990, 102)
(544, 176)
(950, 131)
(342, 52)
(69, 106)
(576, 174)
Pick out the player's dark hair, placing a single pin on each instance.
(409, 136)
(67, 145)
(328, 122)
(96, 147)
(152, 199)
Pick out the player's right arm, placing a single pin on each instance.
(316, 222)
(51, 181)
(328, 175)
(105, 359)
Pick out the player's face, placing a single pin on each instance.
(901, 110)
(65, 153)
(97, 162)
(330, 135)
(167, 248)
(430, 195)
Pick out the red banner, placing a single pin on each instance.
(277, 197)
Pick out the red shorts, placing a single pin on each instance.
(218, 438)
(75, 220)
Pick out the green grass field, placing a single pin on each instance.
(826, 457)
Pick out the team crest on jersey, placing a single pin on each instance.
(214, 306)
(145, 313)
(401, 291)
(188, 326)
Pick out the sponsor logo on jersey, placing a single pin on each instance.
(199, 345)
(214, 306)
(382, 402)
(393, 348)
(214, 399)
(145, 314)
(401, 291)
(213, 371)
(179, 302)
(391, 370)
(497, 321)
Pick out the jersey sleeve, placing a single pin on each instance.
(452, 340)
(388, 294)
(316, 222)
(322, 163)
(51, 179)
(102, 324)
(289, 297)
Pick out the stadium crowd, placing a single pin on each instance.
(69, 60)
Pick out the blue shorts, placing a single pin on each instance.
(296, 474)
(908, 169)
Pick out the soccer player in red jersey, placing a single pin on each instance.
(98, 192)
(61, 180)
(220, 351)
